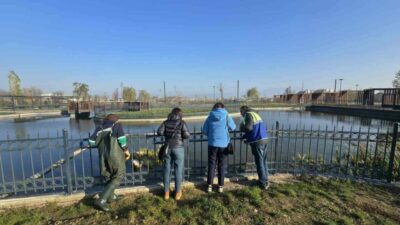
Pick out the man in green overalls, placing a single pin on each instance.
(113, 151)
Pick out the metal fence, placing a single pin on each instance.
(37, 165)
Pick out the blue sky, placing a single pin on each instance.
(194, 45)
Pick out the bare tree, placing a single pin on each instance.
(115, 95)
(129, 94)
(32, 91)
(396, 81)
(14, 83)
(81, 91)
(144, 96)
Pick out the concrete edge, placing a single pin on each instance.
(63, 199)
(23, 115)
(159, 120)
(289, 108)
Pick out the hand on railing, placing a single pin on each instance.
(127, 154)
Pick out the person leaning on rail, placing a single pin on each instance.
(216, 128)
(110, 140)
(174, 129)
(255, 134)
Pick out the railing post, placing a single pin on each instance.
(67, 162)
(276, 138)
(392, 153)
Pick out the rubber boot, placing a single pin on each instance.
(101, 204)
(108, 191)
(114, 198)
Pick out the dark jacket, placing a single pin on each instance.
(115, 129)
(254, 128)
(174, 125)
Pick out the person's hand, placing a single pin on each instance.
(127, 154)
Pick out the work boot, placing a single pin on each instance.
(178, 195)
(166, 195)
(114, 198)
(101, 204)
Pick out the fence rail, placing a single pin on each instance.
(65, 164)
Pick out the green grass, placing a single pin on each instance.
(161, 113)
(304, 201)
(191, 110)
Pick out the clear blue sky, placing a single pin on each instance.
(194, 45)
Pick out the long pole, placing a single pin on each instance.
(165, 94)
(237, 91)
(335, 85)
(214, 93)
(221, 89)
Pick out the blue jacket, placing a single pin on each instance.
(216, 128)
(253, 127)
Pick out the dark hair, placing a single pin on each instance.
(111, 117)
(218, 105)
(244, 108)
(177, 111)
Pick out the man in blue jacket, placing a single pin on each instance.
(255, 134)
(216, 128)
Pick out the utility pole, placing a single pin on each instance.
(214, 93)
(221, 90)
(237, 91)
(165, 94)
(122, 90)
(334, 90)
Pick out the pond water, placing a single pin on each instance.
(81, 128)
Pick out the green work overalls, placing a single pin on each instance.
(112, 162)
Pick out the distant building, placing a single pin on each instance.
(136, 106)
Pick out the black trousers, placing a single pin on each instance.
(216, 157)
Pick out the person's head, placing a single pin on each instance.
(176, 112)
(218, 105)
(244, 109)
(111, 117)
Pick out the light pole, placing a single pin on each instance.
(334, 90)
(340, 86)
(214, 92)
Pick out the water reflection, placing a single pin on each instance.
(20, 131)
(81, 128)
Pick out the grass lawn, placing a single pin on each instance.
(161, 113)
(303, 201)
(190, 111)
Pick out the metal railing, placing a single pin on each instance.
(37, 165)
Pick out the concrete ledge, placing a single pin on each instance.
(294, 108)
(29, 114)
(64, 200)
(160, 120)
